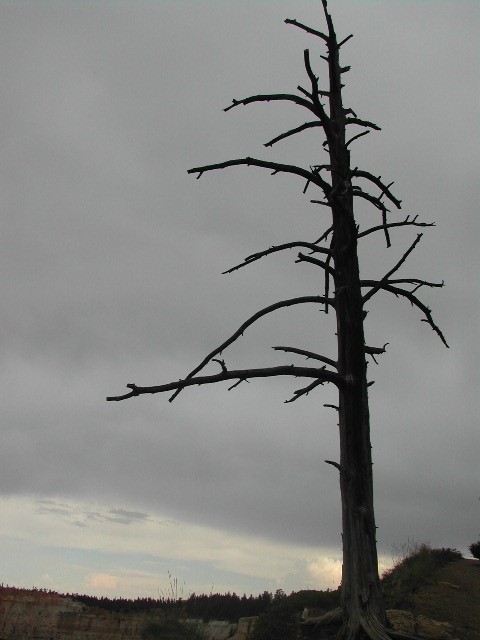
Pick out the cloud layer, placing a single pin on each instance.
(111, 258)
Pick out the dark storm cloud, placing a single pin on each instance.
(111, 260)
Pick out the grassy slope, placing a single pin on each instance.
(441, 600)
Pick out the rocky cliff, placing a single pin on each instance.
(29, 615)
(39, 615)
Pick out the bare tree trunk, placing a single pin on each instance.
(362, 601)
(361, 593)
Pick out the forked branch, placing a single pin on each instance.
(308, 355)
(318, 107)
(292, 132)
(272, 97)
(376, 350)
(240, 331)
(304, 27)
(415, 302)
(377, 200)
(281, 247)
(384, 188)
(357, 191)
(373, 351)
(319, 263)
(305, 390)
(386, 277)
(363, 123)
(404, 223)
(276, 167)
(321, 375)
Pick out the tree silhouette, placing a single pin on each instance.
(362, 613)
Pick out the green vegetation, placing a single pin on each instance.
(170, 628)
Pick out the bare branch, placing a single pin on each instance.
(325, 235)
(315, 169)
(373, 351)
(334, 464)
(327, 280)
(357, 191)
(240, 331)
(324, 204)
(415, 302)
(320, 374)
(344, 472)
(331, 406)
(403, 223)
(272, 97)
(376, 350)
(288, 245)
(319, 263)
(302, 127)
(320, 92)
(345, 40)
(362, 123)
(332, 37)
(417, 282)
(305, 92)
(385, 189)
(318, 106)
(239, 381)
(385, 278)
(304, 391)
(221, 363)
(304, 27)
(359, 135)
(307, 354)
(265, 164)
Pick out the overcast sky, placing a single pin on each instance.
(111, 260)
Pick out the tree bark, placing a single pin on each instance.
(361, 593)
(362, 600)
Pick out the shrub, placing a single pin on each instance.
(475, 549)
(444, 556)
(170, 629)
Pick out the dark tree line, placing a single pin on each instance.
(217, 606)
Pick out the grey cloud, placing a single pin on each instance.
(111, 259)
(122, 516)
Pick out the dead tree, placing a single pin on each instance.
(335, 253)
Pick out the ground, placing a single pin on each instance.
(453, 597)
